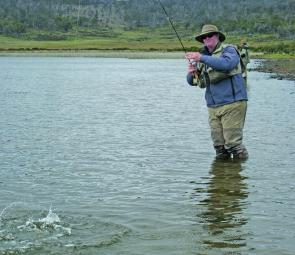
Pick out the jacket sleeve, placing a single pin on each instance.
(226, 62)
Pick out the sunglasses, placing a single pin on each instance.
(208, 36)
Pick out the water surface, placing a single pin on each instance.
(114, 156)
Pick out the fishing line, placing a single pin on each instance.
(78, 16)
(77, 21)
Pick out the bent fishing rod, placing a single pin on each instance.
(203, 77)
(179, 39)
(172, 25)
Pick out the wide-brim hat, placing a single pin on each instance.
(209, 29)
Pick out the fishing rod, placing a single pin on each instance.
(195, 64)
(201, 78)
(172, 25)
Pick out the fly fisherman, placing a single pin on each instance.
(217, 68)
(245, 57)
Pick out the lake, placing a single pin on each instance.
(113, 156)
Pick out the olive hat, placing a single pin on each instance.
(209, 29)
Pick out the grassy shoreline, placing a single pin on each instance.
(136, 54)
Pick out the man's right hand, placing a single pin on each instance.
(191, 68)
(193, 56)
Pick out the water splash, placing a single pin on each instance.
(51, 218)
(8, 207)
(50, 223)
(21, 233)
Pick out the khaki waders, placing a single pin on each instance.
(227, 123)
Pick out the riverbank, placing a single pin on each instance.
(133, 54)
(279, 68)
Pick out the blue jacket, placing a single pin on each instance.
(228, 90)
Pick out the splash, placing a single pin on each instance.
(49, 223)
(8, 207)
(51, 218)
(20, 234)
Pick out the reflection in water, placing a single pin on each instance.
(222, 217)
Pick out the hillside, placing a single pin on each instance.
(251, 16)
(144, 20)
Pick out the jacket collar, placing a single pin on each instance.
(218, 48)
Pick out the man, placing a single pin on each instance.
(219, 70)
(245, 57)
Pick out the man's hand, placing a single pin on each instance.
(193, 56)
(191, 68)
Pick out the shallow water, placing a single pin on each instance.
(113, 156)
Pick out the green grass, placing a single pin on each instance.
(143, 39)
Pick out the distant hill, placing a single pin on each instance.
(101, 18)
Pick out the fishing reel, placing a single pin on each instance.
(201, 76)
(204, 80)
